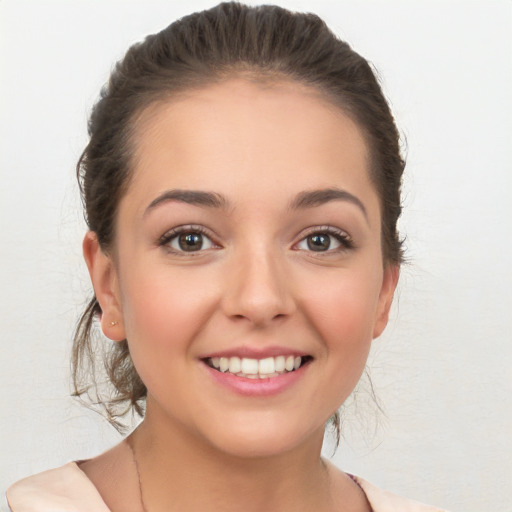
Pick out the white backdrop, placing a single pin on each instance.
(442, 369)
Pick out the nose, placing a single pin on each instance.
(257, 289)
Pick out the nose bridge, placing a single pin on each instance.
(258, 289)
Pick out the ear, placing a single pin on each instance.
(387, 291)
(105, 283)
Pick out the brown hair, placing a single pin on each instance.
(265, 42)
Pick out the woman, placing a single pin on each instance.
(242, 191)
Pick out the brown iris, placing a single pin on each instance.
(319, 242)
(190, 241)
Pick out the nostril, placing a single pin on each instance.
(257, 290)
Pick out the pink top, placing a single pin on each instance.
(67, 489)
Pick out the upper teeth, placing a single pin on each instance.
(256, 368)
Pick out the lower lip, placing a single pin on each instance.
(257, 387)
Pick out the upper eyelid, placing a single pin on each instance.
(177, 230)
(324, 229)
(184, 228)
(344, 238)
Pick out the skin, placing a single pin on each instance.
(256, 283)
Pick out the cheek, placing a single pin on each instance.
(163, 311)
(347, 291)
(343, 310)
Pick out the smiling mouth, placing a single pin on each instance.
(257, 368)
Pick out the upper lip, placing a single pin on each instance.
(256, 352)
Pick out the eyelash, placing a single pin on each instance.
(169, 236)
(342, 237)
(345, 241)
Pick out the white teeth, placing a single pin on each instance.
(279, 363)
(257, 368)
(266, 366)
(268, 375)
(249, 366)
(234, 365)
(223, 364)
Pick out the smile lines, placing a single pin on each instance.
(257, 368)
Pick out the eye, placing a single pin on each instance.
(187, 240)
(325, 240)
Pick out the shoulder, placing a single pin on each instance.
(65, 489)
(385, 501)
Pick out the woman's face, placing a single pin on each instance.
(249, 238)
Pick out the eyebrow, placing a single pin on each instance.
(303, 200)
(311, 198)
(194, 197)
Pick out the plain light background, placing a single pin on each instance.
(442, 369)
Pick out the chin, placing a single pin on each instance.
(262, 439)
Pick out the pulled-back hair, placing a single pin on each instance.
(229, 40)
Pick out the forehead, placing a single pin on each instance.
(241, 136)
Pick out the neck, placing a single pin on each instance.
(182, 471)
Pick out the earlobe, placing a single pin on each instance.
(104, 280)
(387, 291)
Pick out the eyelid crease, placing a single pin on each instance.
(171, 234)
(342, 236)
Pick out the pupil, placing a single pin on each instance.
(191, 241)
(319, 242)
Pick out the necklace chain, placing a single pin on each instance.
(132, 449)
